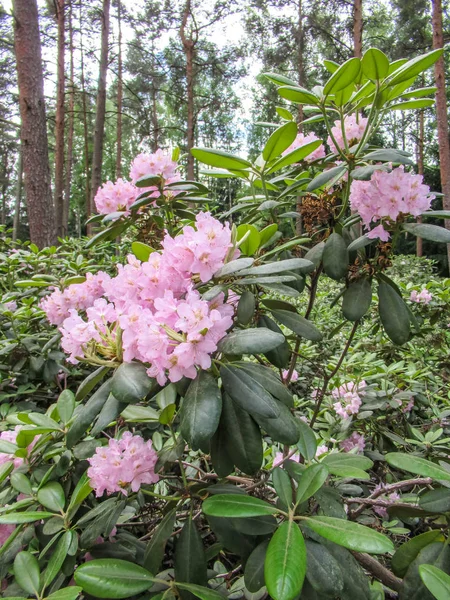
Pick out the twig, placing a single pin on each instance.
(387, 489)
(381, 573)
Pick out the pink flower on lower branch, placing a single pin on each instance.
(128, 462)
(294, 376)
(381, 511)
(423, 297)
(356, 440)
(348, 399)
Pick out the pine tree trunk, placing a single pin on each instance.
(16, 221)
(420, 170)
(300, 40)
(119, 94)
(96, 177)
(41, 215)
(357, 28)
(59, 125)
(189, 51)
(85, 130)
(71, 128)
(441, 113)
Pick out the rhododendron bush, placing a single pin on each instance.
(219, 445)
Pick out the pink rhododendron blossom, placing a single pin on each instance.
(354, 130)
(11, 436)
(387, 195)
(114, 197)
(159, 163)
(393, 497)
(423, 297)
(356, 440)
(279, 459)
(322, 449)
(378, 232)
(5, 532)
(348, 399)
(294, 376)
(302, 140)
(11, 306)
(123, 464)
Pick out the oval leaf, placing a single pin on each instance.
(417, 465)
(237, 505)
(285, 563)
(112, 578)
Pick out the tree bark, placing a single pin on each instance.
(189, 42)
(96, 177)
(420, 170)
(16, 221)
(59, 125)
(441, 113)
(119, 94)
(71, 127)
(27, 44)
(357, 28)
(85, 129)
(300, 66)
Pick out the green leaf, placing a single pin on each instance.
(85, 417)
(90, 382)
(412, 104)
(283, 487)
(350, 535)
(375, 64)
(269, 380)
(335, 257)
(388, 155)
(285, 563)
(201, 410)
(267, 233)
(307, 443)
(279, 141)
(219, 158)
(141, 251)
(66, 405)
(279, 356)
(246, 308)
(417, 465)
(336, 459)
(109, 413)
(281, 266)
(437, 501)
(357, 300)
(24, 517)
(438, 214)
(237, 505)
(107, 234)
(415, 66)
(297, 94)
(419, 93)
(247, 393)
(21, 483)
(131, 384)
(311, 480)
(26, 573)
(428, 232)
(436, 554)
(68, 593)
(154, 552)
(148, 180)
(330, 176)
(57, 557)
(190, 559)
(112, 578)
(254, 568)
(51, 495)
(409, 551)
(436, 581)
(251, 243)
(284, 114)
(233, 267)
(359, 243)
(295, 156)
(298, 324)
(343, 77)
(281, 429)
(250, 341)
(394, 314)
(201, 592)
(324, 572)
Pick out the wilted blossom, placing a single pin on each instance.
(113, 197)
(423, 297)
(356, 440)
(163, 320)
(302, 140)
(348, 398)
(123, 464)
(393, 497)
(5, 532)
(354, 130)
(11, 436)
(387, 195)
(294, 376)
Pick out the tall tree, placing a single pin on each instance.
(36, 167)
(189, 39)
(100, 114)
(119, 92)
(357, 27)
(441, 112)
(71, 122)
(61, 225)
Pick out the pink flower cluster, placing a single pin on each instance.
(113, 197)
(423, 297)
(356, 440)
(279, 458)
(162, 319)
(129, 461)
(294, 377)
(387, 195)
(381, 511)
(11, 436)
(354, 130)
(302, 140)
(348, 399)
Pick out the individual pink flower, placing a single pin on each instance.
(124, 464)
(378, 232)
(5, 532)
(11, 436)
(423, 297)
(393, 497)
(294, 376)
(356, 440)
(354, 129)
(280, 458)
(114, 197)
(321, 450)
(348, 398)
(302, 140)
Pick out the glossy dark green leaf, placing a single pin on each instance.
(109, 413)
(27, 573)
(409, 551)
(280, 356)
(148, 180)
(307, 443)
(335, 257)
(51, 495)
(330, 176)
(323, 573)
(66, 405)
(298, 324)
(417, 465)
(131, 384)
(281, 266)
(256, 526)
(437, 501)
(245, 308)
(250, 341)
(233, 267)
(285, 564)
(394, 314)
(295, 156)
(436, 581)
(254, 568)
(350, 535)
(311, 480)
(248, 393)
(356, 582)
(154, 552)
(199, 591)
(219, 158)
(388, 155)
(413, 588)
(85, 417)
(281, 429)
(359, 243)
(269, 380)
(428, 232)
(68, 593)
(57, 557)
(190, 559)
(375, 64)
(24, 517)
(112, 578)
(279, 141)
(237, 505)
(343, 77)
(201, 410)
(357, 300)
(283, 487)
(90, 382)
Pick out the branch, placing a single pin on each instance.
(381, 573)
(387, 489)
